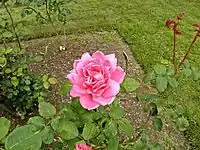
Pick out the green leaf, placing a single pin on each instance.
(182, 124)
(46, 85)
(113, 143)
(155, 146)
(172, 82)
(14, 81)
(38, 121)
(67, 129)
(157, 124)
(186, 72)
(38, 58)
(4, 127)
(187, 64)
(90, 130)
(25, 137)
(46, 109)
(125, 126)
(8, 70)
(170, 71)
(161, 83)
(179, 110)
(65, 88)
(139, 145)
(3, 62)
(150, 76)
(117, 112)
(130, 84)
(52, 81)
(55, 123)
(160, 69)
(111, 129)
(44, 78)
(47, 135)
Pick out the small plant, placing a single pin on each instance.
(166, 75)
(21, 89)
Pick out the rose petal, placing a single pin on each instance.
(102, 100)
(113, 89)
(98, 55)
(73, 77)
(118, 75)
(87, 102)
(77, 91)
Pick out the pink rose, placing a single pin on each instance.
(96, 79)
(82, 147)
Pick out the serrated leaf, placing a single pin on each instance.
(111, 129)
(182, 124)
(139, 145)
(179, 110)
(90, 130)
(161, 83)
(125, 126)
(172, 82)
(65, 88)
(46, 109)
(157, 124)
(38, 121)
(117, 112)
(113, 143)
(160, 69)
(47, 135)
(14, 81)
(4, 127)
(186, 72)
(170, 71)
(52, 81)
(25, 137)
(187, 64)
(67, 129)
(130, 84)
(150, 76)
(155, 146)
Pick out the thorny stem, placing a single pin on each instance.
(13, 26)
(49, 16)
(188, 51)
(37, 12)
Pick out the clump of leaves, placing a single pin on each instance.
(162, 76)
(21, 89)
(71, 124)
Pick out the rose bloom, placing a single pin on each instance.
(96, 79)
(82, 147)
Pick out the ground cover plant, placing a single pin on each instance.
(179, 78)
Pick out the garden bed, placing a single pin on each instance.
(59, 54)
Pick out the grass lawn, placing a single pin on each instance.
(141, 23)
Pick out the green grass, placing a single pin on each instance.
(142, 25)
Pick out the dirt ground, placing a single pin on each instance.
(59, 54)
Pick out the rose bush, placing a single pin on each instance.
(96, 79)
(82, 147)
